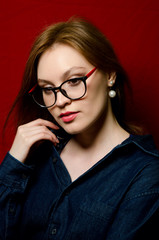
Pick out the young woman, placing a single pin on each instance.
(76, 170)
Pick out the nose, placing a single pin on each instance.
(62, 100)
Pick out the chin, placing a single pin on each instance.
(73, 130)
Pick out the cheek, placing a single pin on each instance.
(97, 92)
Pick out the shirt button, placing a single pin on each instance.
(54, 160)
(11, 210)
(24, 176)
(54, 231)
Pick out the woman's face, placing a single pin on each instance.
(60, 63)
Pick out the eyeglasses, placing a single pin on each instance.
(73, 89)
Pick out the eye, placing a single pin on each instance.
(47, 90)
(74, 81)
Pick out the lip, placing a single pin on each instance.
(68, 116)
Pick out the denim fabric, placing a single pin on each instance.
(117, 199)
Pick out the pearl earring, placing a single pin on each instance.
(112, 93)
(111, 83)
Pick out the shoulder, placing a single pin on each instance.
(144, 165)
(145, 143)
(136, 164)
(145, 153)
(138, 150)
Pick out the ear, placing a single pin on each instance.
(111, 79)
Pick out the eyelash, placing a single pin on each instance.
(69, 78)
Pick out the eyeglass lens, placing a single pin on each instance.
(72, 89)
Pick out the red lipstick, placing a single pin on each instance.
(68, 116)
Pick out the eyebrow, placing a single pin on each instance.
(65, 74)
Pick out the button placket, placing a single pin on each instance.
(11, 209)
(54, 159)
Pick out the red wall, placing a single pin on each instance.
(131, 25)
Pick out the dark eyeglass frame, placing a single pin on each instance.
(56, 89)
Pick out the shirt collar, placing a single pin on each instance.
(144, 142)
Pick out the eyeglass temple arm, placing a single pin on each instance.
(32, 89)
(88, 75)
(91, 72)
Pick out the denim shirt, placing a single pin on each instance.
(116, 199)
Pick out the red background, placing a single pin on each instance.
(131, 25)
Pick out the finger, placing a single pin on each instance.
(30, 140)
(42, 122)
(25, 139)
(32, 129)
(37, 129)
(30, 132)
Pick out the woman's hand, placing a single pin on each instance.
(30, 133)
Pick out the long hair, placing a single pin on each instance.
(93, 45)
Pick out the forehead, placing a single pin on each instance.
(60, 58)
